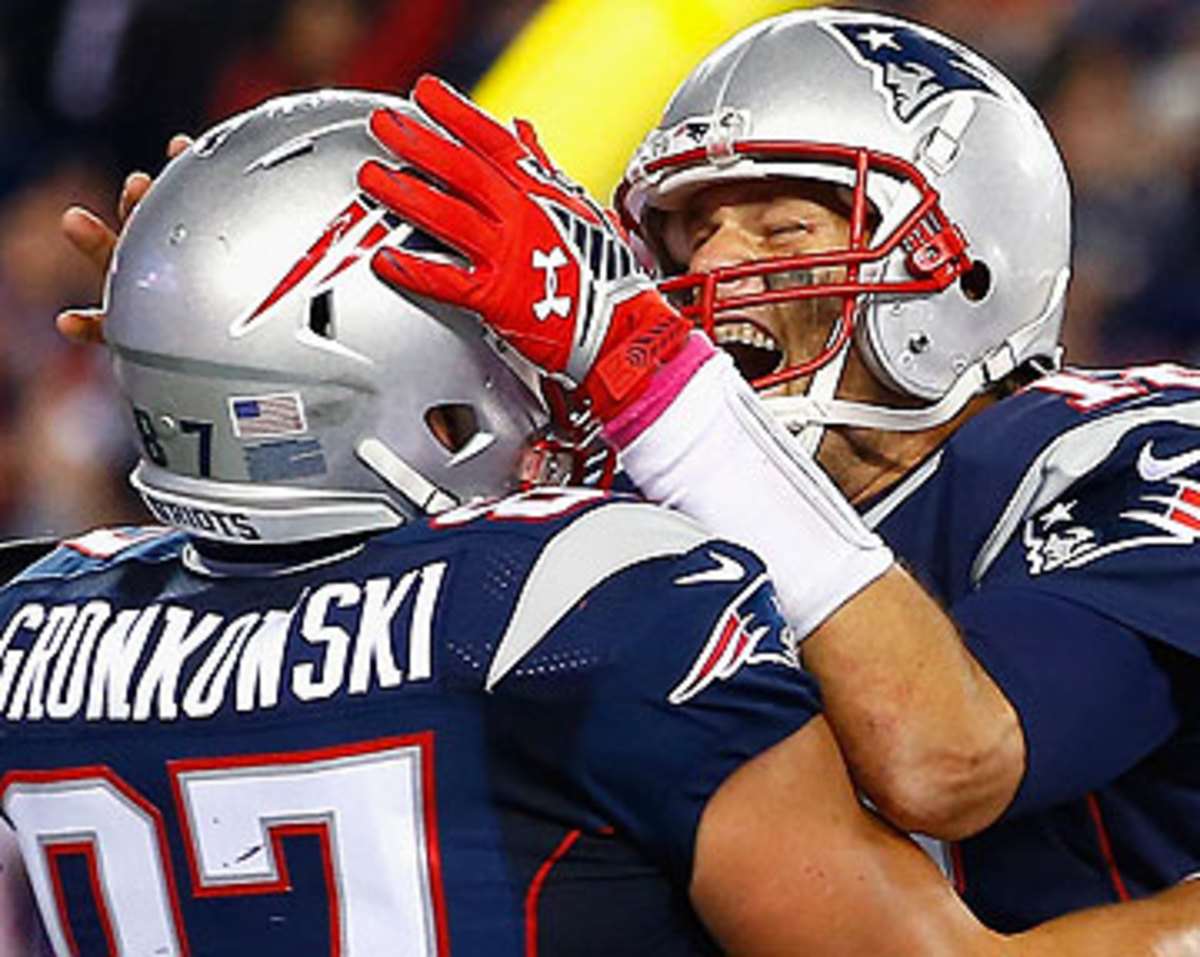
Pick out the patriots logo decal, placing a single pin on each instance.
(913, 69)
(750, 631)
(1167, 513)
(354, 233)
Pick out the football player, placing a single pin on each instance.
(343, 702)
(874, 225)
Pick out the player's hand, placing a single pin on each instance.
(543, 265)
(95, 240)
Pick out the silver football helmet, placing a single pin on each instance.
(280, 391)
(958, 201)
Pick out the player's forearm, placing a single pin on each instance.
(1166, 925)
(928, 736)
(715, 454)
(788, 861)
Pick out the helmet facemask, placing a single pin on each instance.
(818, 295)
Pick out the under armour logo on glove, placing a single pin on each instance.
(552, 303)
(546, 268)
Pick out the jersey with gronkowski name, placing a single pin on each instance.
(1060, 528)
(491, 734)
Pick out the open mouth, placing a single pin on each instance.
(754, 351)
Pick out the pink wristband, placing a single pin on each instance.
(665, 385)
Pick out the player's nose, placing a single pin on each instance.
(728, 245)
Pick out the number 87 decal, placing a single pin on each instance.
(370, 805)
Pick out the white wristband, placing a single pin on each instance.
(717, 455)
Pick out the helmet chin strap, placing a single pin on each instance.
(807, 416)
(428, 498)
(822, 387)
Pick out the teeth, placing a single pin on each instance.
(745, 334)
(754, 351)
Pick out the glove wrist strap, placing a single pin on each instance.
(623, 371)
(666, 383)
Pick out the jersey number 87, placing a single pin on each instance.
(370, 805)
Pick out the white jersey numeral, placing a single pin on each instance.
(369, 805)
(1086, 391)
(534, 505)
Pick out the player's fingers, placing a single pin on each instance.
(435, 154)
(466, 121)
(409, 272)
(135, 187)
(84, 326)
(177, 144)
(89, 234)
(529, 138)
(429, 208)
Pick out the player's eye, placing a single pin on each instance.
(787, 229)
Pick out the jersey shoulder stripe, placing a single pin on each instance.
(100, 549)
(598, 544)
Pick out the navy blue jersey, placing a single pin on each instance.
(491, 734)
(1060, 528)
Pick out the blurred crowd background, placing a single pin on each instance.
(90, 89)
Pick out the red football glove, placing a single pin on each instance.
(546, 269)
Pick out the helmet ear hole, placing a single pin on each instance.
(453, 424)
(976, 282)
(320, 314)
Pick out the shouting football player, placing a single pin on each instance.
(873, 225)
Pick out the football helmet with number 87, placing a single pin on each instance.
(281, 392)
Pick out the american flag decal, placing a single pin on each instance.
(267, 415)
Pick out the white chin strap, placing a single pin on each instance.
(807, 416)
(809, 428)
(424, 494)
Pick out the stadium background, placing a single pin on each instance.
(90, 89)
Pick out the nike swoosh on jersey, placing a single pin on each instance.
(727, 570)
(596, 546)
(1155, 469)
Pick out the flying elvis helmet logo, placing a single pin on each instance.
(912, 69)
(750, 631)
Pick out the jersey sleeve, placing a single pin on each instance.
(669, 676)
(1107, 516)
(1093, 696)
(1083, 600)
(718, 683)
